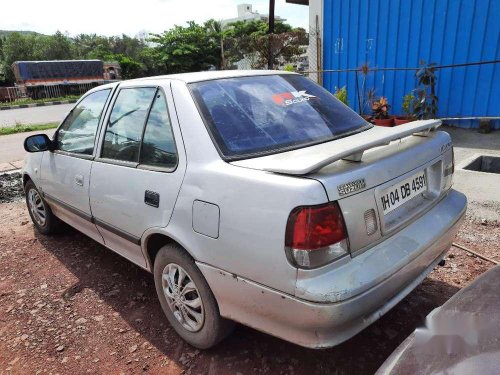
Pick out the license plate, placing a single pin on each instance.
(401, 192)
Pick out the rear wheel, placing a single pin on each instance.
(187, 300)
(41, 215)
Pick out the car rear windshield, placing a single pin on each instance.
(271, 113)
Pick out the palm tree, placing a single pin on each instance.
(215, 28)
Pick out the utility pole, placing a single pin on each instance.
(270, 35)
(222, 59)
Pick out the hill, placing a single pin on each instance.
(4, 33)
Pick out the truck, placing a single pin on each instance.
(45, 79)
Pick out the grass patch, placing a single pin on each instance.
(20, 128)
(45, 100)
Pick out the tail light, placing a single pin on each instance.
(452, 160)
(448, 172)
(316, 235)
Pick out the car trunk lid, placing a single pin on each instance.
(414, 163)
(390, 159)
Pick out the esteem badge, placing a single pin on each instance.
(351, 187)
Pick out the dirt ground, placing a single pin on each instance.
(70, 306)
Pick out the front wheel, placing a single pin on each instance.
(41, 215)
(187, 300)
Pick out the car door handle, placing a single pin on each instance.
(152, 198)
(79, 179)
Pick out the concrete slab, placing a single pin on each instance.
(482, 189)
(18, 163)
(4, 167)
(469, 141)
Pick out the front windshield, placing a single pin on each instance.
(271, 113)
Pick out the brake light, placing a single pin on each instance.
(452, 159)
(316, 235)
(448, 172)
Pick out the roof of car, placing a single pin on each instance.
(105, 86)
(216, 74)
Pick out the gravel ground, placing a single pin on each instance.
(70, 306)
(11, 188)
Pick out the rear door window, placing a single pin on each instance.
(126, 122)
(158, 145)
(271, 113)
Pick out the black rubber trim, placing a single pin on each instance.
(68, 207)
(125, 235)
(74, 154)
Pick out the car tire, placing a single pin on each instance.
(181, 287)
(41, 215)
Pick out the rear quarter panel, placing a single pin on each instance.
(254, 207)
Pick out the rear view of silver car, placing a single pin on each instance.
(288, 212)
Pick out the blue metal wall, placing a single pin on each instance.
(400, 33)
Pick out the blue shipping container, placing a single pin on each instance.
(400, 33)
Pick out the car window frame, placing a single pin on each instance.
(155, 167)
(129, 164)
(99, 124)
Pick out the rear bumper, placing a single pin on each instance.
(420, 245)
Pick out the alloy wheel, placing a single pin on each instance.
(37, 207)
(183, 297)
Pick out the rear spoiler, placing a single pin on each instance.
(311, 159)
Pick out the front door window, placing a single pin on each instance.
(78, 131)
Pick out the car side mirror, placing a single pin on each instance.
(38, 143)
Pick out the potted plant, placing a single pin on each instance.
(408, 101)
(341, 94)
(364, 99)
(426, 105)
(380, 112)
(370, 98)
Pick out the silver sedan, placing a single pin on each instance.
(253, 197)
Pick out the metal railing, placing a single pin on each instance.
(13, 93)
(365, 70)
(375, 69)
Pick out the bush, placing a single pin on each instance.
(341, 94)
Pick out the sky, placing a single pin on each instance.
(129, 16)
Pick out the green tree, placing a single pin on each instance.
(130, 68)
(250, 39)
(192, 47)
(16, 47)
(216, 34)
(53, 47)
(2, 41)
(255, 28)
(91, 46)
(186, 49)
(2, 67)
(127, 46)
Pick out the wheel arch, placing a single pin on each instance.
(26, 178)
(154, 241)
